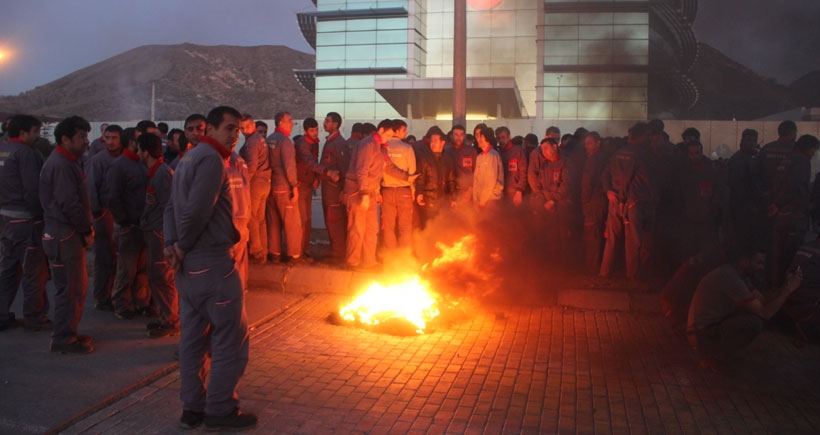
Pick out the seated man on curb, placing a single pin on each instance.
(727, 314)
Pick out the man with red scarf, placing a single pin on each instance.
(336, 157)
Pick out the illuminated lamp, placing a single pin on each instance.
(483, 4)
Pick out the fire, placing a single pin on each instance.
(410, 300)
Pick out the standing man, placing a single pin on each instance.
(465, 157)
(68, 231)
(124, 194)
(554, 198)
(488, 181)
(308, 171)
(283, 201)
(362, 196)
(262, 128)
(175, 139)
(199, 236)
(593, 202)
(97, 144)
(397, 194)
(515, 166)
(21, 226)
(335, 157)
(436, 183)
(255, 154)
(194, 130)
(241, 196)
(160, 274)
(745, 193)
(105, 246)
(775, 152)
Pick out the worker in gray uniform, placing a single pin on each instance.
(199, 236)
(68, 232)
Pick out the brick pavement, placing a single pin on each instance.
(503, 370)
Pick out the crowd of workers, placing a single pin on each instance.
(175, 217)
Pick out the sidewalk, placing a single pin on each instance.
(513, 369)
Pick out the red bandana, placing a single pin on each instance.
(224, 152)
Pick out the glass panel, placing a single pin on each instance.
(358, 25)
(560, 32)
(628, 110)
(330, 82)
(631, 18)
(391, 23)
(598, 110)
(391, 36)
(359, 81)
(503, 50)
(629, 94)
(359, 95)
(595, 94)
(330, 95)
(360, 38)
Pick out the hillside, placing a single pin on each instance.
(806, 90)
(188, 78)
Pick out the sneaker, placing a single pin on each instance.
(235, 420)
(154, 324)
(125, 314)
(105, 305)
(43, 325)
(191, 419)
(163, 331)
(77, 346)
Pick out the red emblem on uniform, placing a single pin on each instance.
(467, 162)
(513, 165)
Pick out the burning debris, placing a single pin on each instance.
(408, 305)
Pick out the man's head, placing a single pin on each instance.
(399, 129)
(531, 140)
(163, 128)
(222, 124)
(283, 122)
(694, 152)
(150, 148)
(25, 128)
(146, 126)
(553, 132)
(72, 134)
(690, 134)
(787, 129)
(332, 122)
(750, 262)
(311, 129)
(102, 129)
(748, 141)
(458, 134)
(639, 134)
(592, 143)
(262, 128)
(195, 128)
(484, 136)
(246, 125)
(549, 148)
(565, 140)
(367, 129)
(656, 125)
(128, 139)
(807, 145)
(436, 141)
(113, 138)
(385, 130)
(174, 138)
(502, 135)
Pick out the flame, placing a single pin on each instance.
(410, 300)
(461, 251)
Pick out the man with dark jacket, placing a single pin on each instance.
(255, 154)
(515, 166)
(773, 153)
(308, 172)
(283, 201)
(465, 156)
(335, 157)
(68, 231)
(199, 236)
(554, 198)
(746, 209)
(124, 194)
(435, 186)
(21, 226)
(593, 201)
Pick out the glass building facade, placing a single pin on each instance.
(546, 59)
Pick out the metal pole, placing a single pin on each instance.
(460, 62)
(153, 98)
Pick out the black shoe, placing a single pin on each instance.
(125, 314)
(43, 325)
(234, 420)
(254, 259)
(77, 346)
(274, 258)
(105, 305)
(191, 419)
(163, 331)
(147, 312)
(154, 324)
(11, 323)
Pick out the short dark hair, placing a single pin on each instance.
(502, 128)
(553, 128)
(357, 128)
(261, 123)
(550, 140)
(144, 125)
(368, 128)
(195, 117)
(531, 139)
(487, 132)
(691, 131)
(128, 135)
(807, 142)
(656, 125)
(459, 127)
(386, 124)
(151, 143)
(114, 128)
(310, 123)
(749, 132)
(175, 131)
(246, 117)
(787, 128)
(20, 123)
(434, 130)
(640, 129)
(217, 115)
(278, 117)
(398, 123)
(595, 135)
(518, 140)
(69, 127)
(162, 127)
(335, 117)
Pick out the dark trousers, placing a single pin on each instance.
(240, 252)
(161, 278)
(594, 223)
(397, 217)
(257, 227)
(130, 290)
(22, 261)
(335, 220)
(788, 234)
(362, 231)
(639, 235)
(615, 219)
(212, 314)
(723, 341)
(66, 254)
(306, 214)
(283, 214)
(105, 256)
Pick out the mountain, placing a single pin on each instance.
(188, 79)
(806, 90)
(729, 90)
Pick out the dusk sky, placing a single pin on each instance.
(43, 40)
